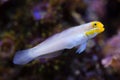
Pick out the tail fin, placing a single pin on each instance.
(23, 57)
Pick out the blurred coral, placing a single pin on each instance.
(7, 45)
(112, 52)
(95, 9)
(3, 1)
(40, 11)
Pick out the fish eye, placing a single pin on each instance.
(95, 25)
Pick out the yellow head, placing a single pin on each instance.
(97, 27)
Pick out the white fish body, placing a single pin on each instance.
(67, 39)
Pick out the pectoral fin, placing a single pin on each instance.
(81, 48)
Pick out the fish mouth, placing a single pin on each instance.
(101, 29)
(98, 30)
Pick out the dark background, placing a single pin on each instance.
(26, 23)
